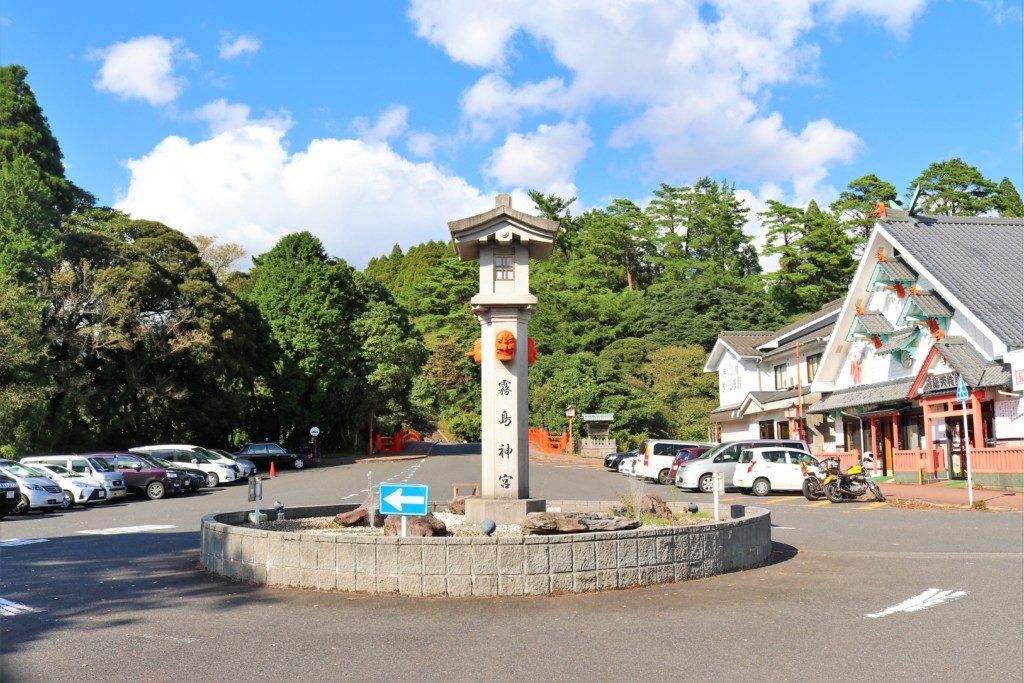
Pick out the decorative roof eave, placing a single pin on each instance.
(534, 232)
(724, 412)
(865, 395)
(891, 273)
(869, 325)
(903, 339)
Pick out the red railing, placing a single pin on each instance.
(998, 459)
(847, 459)
(388, 445)
(543, 440)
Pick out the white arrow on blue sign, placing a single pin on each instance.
(961, 388)
(403, 499)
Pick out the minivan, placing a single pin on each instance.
(697, 474)
(90, 466)
(656, 456)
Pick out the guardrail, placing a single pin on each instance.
(389, 445)
(542, 439)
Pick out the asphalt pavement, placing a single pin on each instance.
(860, 590)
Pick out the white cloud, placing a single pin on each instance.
(694, 91)
(142, 68)
(391, 123)
(422, 145)
(544, 160)
(232, 47)
(243, 185)
(223, 116)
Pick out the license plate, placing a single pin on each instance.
(118, 493)
(101, 494)
(9, 494)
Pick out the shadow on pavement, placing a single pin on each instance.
(82, 582)
(781, 552)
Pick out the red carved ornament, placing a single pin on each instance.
(505, 346)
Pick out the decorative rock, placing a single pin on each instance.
(692, 507)
(358, 517)
(488, 526)
(654, 505)
(457, 505)
(427, 525)
(574, 523)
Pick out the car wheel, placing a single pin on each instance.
(706, 484)
(212, 479)
(761, 487)
(22, 506)
(68, 502)
(155, 490)
(299, 463)
(663, 477)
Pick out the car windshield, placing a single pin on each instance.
(213, 454)
(160, 462)
(62, 471)
(714, 451)
(148, 460)
(101, 464)
(19, 470)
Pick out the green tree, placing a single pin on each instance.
(856, 204)
(826, 264)
(25, 387)
(1008, 202)
(220, 257)
(681, 390)
(953, 188)
(24, 131)
(785, 225)
(29, 223)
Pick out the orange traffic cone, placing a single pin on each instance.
(273, 470)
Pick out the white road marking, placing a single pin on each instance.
(929, 598)
(9, 608)
(11, 542)
(791, 528)
(127, 529)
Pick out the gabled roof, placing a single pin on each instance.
(931, 304)
(976, 370)
(745, 343)
(897, 270)
(899, 338)
(977, 259)
(504, 225)
(874, 323)
(817, 319)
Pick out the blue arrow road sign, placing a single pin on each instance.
(961, 388)
(403, 499)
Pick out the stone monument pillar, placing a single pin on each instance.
(504, 241)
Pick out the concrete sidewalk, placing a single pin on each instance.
(941, 493)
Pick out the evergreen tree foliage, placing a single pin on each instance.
(1008, 202)
(29, 222)
(856, 204)
(953, 188)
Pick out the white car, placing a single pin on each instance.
(763, 470)
(193, 456)
(656, 457)
(37, 492)
(628, 465)
(697, 474)
(78, 488)
(245, 467)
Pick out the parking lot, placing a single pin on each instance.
(857, 589)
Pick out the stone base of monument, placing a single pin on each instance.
(502, 510)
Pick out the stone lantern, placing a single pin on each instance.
(504, 241)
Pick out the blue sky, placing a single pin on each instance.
(371, 123)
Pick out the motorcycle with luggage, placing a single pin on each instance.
(812, 486)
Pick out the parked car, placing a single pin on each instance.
(628, 464)
(143, 476)
(696, 474)
(194, 456)
(10, 495)
(612, 461)
(246, 468)
(192, 478)
(36, 491)
(88, 466)
(78, 489)
(656, 456)
(685, 455)
(262, 454)
(763, 470)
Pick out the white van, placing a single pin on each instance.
(194, 456)
(656, 456)
(90, 466)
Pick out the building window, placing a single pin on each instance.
(780, 376)
(766, 429)
(504, 265)
(812, 366)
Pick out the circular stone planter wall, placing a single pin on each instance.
(481, 566)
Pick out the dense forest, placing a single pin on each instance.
(116, 331)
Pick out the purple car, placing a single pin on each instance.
(144, 477)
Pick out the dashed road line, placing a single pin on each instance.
(871, 506)
(774, 501)
(9, 608)
(818, 504)
(11, 542)
(127, 529)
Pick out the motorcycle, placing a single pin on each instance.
(812, 487)
(849, 485)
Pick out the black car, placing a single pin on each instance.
(195, 478)
(10, 495)
(612, 461)
(262, 454)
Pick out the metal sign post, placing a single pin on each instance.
(718, 486)
(255, 494)
(961, 395)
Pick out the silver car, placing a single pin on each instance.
(697, 474)
(37, 492)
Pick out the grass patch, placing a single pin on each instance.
(979, 505)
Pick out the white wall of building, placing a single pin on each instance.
(736, 378)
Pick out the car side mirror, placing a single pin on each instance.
(138, 467)
(194, 461)
(718, 458)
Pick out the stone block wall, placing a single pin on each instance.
(463, 567)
